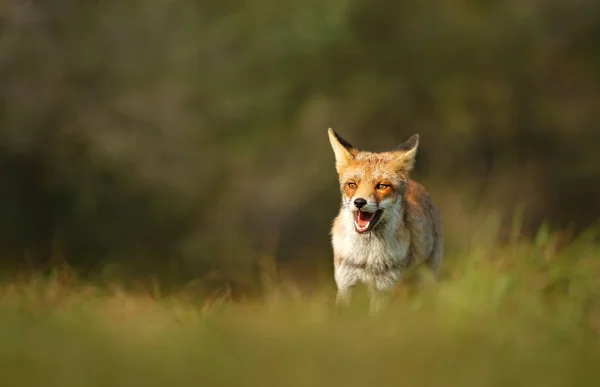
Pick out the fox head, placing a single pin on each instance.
(372, 184)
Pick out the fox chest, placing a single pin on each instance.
(370, 259)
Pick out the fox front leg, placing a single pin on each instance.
(343, 297)
(379, 299)
(345, 282)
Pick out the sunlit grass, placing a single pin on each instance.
(527, 313)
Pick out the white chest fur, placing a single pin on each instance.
(376, 259)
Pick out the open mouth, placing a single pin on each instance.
(365, 221)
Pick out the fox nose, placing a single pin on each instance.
(360, 203)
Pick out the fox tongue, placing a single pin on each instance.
(363, 218)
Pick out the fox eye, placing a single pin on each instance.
(351, 185)
(382, 186)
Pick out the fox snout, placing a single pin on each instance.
(360, 203)
(365, 214)
(356, 204)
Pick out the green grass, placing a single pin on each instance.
(526, 314)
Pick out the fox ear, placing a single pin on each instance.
(343, 150)
(407, 151)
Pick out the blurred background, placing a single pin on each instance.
(185, 141)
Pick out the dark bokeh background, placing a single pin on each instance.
(187, 139)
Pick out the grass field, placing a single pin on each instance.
(523, 314)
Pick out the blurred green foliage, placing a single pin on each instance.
(178, 137)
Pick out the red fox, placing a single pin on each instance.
(387, 222)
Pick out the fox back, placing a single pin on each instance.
(387, 221)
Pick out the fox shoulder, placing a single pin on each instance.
(422, 219)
